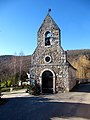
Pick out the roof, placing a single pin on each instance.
(47, 19)
(71, 65)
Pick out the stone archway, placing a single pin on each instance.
(47, 81)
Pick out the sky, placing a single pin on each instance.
(21, 19)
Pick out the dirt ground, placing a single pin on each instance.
(73, 105)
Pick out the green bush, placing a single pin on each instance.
(3, 84)
(9, 83)
(33, 89)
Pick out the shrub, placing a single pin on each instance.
(33, 89)
(9, 82)
(2, 84)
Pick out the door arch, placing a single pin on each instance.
(47, 81)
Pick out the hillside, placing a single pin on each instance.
(80, 59)
(11, 65)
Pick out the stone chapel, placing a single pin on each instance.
(49, 66)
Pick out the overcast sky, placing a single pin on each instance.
(21, 19)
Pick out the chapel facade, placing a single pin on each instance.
(49, 66)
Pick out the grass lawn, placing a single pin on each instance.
(14, 89)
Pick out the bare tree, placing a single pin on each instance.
(14, 61)
(12, 67)
(21, 54)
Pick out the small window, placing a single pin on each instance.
(47, 59)
(47, 38)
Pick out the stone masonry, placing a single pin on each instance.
(49, 66)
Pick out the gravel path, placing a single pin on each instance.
(64, 106)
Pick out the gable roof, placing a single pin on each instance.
(49, 19)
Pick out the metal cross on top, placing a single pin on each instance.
(49, 10)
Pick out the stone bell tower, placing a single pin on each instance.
(49, 33)
(49, 67)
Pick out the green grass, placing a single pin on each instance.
(7, 89)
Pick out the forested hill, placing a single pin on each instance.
(80, 59)
(10, 65)
(75, 54)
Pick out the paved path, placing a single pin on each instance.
(64, 106)
(13, 94)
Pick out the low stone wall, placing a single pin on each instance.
(83, 80)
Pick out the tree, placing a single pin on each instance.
(21, 54)
(13, 66)
(22, 78)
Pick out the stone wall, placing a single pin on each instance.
(71, 77)
(57, 63)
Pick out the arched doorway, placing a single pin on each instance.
(47, 82)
